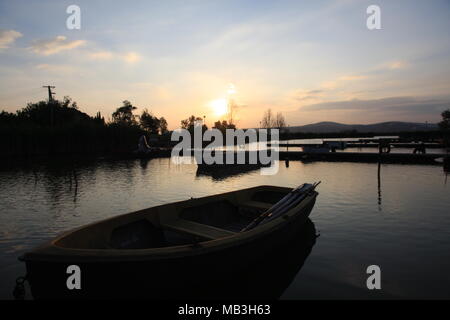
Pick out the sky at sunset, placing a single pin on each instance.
(311, 60)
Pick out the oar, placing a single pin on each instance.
(284, 209)
(286, 199)
(299, 195)
(305, 190)
(268, 211)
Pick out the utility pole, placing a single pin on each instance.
(50, 93)
(50, 101)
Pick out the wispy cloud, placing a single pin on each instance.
(299, 54)
(339, 81)
(397, 65)
(352, 77)
(101, 55)
(60, 43)
(55, 45)
(129, 57)
(56, 68)
(411, 104)
(7, 37)
(307, 95)
(390, 66)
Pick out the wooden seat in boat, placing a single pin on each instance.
(256, 204)
(197, 229)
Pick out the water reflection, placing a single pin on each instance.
(446, 168)
(222, 172)
(143, 162)
(63, 180)
(412, 240)
(379, 186)
(267, 278)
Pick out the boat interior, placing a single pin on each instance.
(187, 222)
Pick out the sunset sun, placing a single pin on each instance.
(219, 106)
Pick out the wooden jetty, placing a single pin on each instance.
(407, 158)
(397, 145)
(363, 145)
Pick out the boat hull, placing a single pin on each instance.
(223, 273)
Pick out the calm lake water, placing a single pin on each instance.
(393, 216)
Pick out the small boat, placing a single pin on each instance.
(223, 171)
(180, 249)
(316, 148)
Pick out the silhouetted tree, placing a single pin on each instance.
(223, 126)
(279, 121)
(124, 114)
(149, 122)
(444, 125)
(51, 113)
(162, 125)
(8, 119)
(99, 119)
(190, 122)
(268, 120)
(232, 107)
(152, 124)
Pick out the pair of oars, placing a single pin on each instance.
(289, 201)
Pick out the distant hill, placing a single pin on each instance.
(382, 127)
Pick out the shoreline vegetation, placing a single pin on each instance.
(59, 128)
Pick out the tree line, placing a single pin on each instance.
(65, 112)
(444, 126)
(59, 127)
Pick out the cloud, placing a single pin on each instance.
(56, 68)
(7, 37)
(329, 85)
(352, 77)
(101, 55)
(333, 84)
(53, 46)
(397, 65)
(160, 92)
(391, 65)
(42, 66)
(131, 57)
(309, 95)
(314, 92)
(410, 104)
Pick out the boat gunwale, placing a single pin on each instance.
(50, 251)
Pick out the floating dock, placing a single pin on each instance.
(407, 158)
(363, 145)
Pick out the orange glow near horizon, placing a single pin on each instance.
(219, 106)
